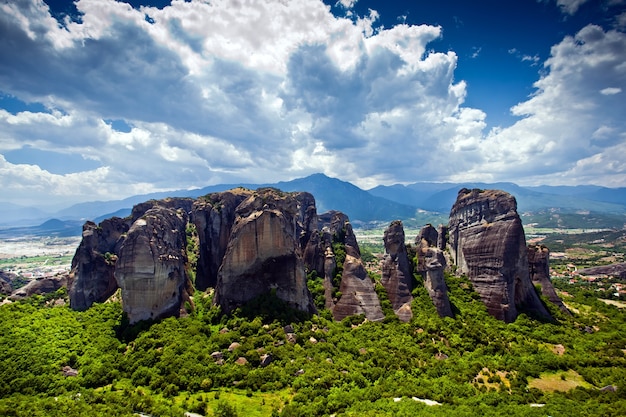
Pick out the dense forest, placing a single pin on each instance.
(268, 360)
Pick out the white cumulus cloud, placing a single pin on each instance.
(266, 91)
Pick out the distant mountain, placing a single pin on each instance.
(52, 227)
(329, 193)
(11, 214)
(381, 203)
(359, 205)
(440, 196)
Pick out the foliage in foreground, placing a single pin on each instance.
(472, 364)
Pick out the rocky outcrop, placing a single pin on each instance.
(487, 243)
(5, 282)
(42, 285)
(397, 276)
(431, 264)
(539, 268)
(615, 270)
(214, 216)
(358, 295)
(91, 276)
(139, 210)
(249, 243)
(150, 268)
(264, 254)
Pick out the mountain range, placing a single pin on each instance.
(423, 202)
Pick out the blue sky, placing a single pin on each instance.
(101, 99)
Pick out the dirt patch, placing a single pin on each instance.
(618, 304)
(560, 381)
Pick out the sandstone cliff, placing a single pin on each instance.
(150, 269)
(397, 275)
(357, 289)
(214, 216)
(264, 254)
(431, 264)
(539, 265)
(487, 243)
(92, 277)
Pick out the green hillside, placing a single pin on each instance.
(466, 366)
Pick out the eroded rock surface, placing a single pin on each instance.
(397, 277)
(40, 286)
(487, 243)
(264, 253)
(539, 266)
(92, 277)
(248, 243)
(358, 295)
(214, 216)
(431, 264)
(150, 269)
(5, 282)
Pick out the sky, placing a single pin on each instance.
(104, 99)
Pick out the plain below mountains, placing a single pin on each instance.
(418, 203)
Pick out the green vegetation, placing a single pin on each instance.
(472, 364)
(192, 250)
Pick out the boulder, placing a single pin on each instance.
(266, 359)
(487, 243)
(92, 277)
(263, 254)
(150, 269)
(397, 276)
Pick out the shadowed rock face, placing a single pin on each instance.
(487, 243)
(357, 289)
(431, 263)
(214, 216)
(397, 277)
(263, 254)
(539, 265)
(150, 269)
(5, 282)
(93, 265)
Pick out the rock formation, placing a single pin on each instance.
(615, 270)
(214, 216)
(487, 243)
(264, 254)
(150, 268)
(431, 264)
(93, 265)
(5, 282)
(357, 289)
(397, 276)
(539, 266)
(42, 285)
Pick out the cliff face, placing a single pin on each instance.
(92, 277)
(431, 263)
(214, 216)
(397, 277)
(539, 265)
(150, 269)
(487, 243)
(357, 289)
(264, 253)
